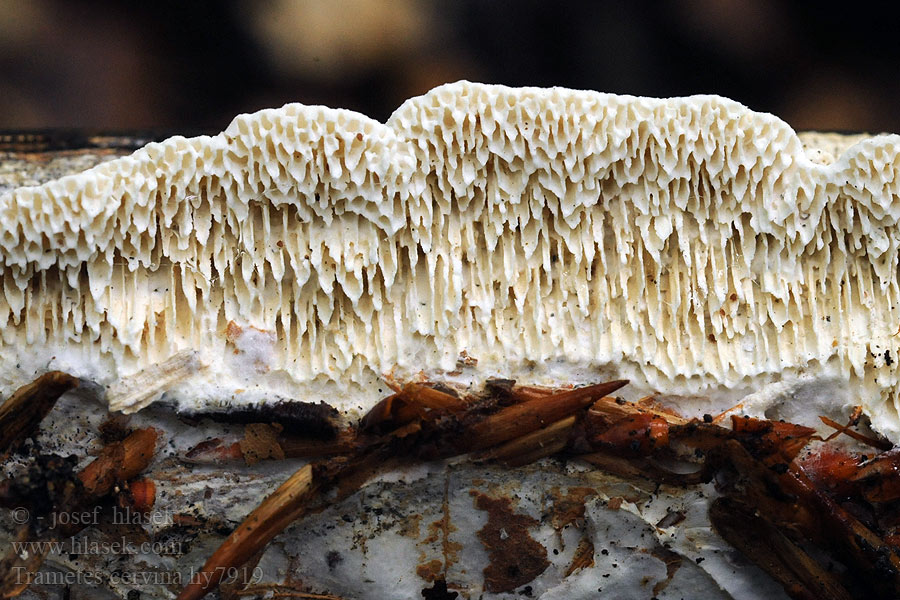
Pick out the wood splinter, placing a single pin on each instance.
(276, 512)
(23, 412)
(520, 419)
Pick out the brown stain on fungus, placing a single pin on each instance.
(569, 508)
(439, 531)
(465, 360)
(515, 557)
(583, 557)
(672, 561)
(233, 331)
(431, 570)
(410, 526)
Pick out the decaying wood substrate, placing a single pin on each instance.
(770, 502)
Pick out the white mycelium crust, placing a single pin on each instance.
(690, 244)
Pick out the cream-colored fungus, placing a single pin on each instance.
(690, 244)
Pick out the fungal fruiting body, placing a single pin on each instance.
(688, 244)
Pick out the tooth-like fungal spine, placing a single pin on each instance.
(687, 243)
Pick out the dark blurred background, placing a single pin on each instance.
(185, 66)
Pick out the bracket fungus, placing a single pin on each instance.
(481, 254)
(688, 244)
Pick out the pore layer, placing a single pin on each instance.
(688, 243)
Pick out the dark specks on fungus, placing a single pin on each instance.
(333, 558)
(439, 591)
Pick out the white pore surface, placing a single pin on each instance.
(690, 244)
